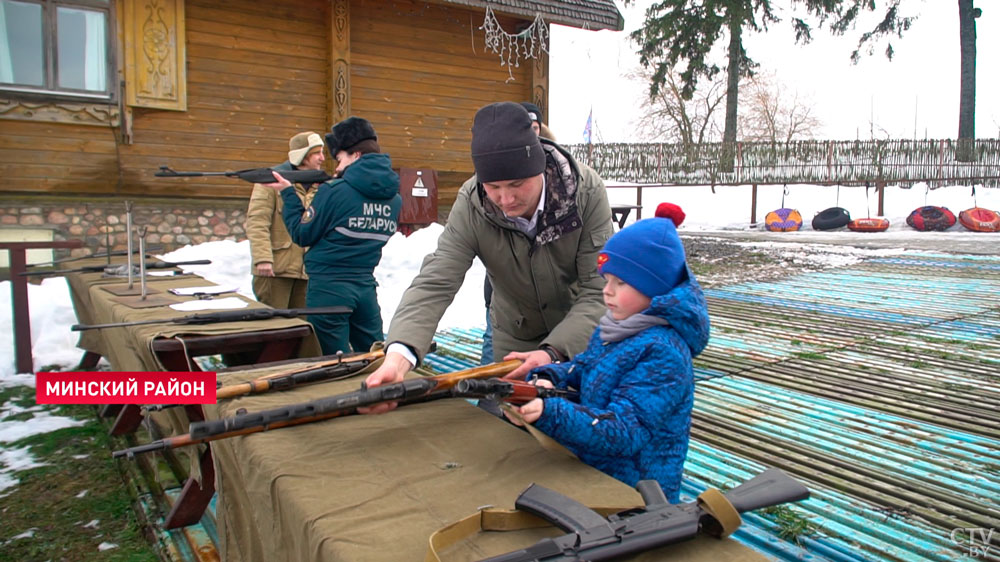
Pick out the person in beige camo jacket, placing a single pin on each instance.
(279, 274)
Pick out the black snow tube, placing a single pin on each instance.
(829, 219)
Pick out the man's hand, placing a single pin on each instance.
(279, 182)
(265, 269)
(531, 360)
(392, 370)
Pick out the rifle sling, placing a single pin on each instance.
(714, 503)
(491, 519)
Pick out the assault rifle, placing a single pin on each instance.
(245, 315)
(254, 175)
(409, 391)
(96, 268)
(592, 537)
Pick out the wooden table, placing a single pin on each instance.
(19, 295)
(171, 347)
(375, 487)
(620, 213)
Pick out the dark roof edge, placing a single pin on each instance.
(601, 16)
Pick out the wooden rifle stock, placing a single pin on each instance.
(406, 392)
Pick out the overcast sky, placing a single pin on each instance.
(916, 94)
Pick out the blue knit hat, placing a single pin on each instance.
(648, 255)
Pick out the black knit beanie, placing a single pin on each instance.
(347, 133)
(503, 145)
(533, 111)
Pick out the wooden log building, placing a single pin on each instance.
(95, 95)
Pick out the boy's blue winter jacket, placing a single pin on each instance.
(636, 395)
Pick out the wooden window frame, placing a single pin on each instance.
(50, 91)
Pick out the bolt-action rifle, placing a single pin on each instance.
(409, 391)
(96, 268)
(592, 537)
(245, 315)
(320, 371)
(253, 175)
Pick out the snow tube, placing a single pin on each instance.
(868, 225)
(783, 220)
(931, 218)
(829, 219)
(979, 219)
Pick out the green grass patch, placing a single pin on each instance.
(76, 459)
(790, 525)
(809, 355)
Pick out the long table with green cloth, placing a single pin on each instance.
(131, 348)
(376, 487)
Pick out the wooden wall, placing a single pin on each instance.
(419, 72)
(257, 73)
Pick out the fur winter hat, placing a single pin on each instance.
(302, 145)
(349, 132)
(503, 145)
(533, 111)
(648, 255)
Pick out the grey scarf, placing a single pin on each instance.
(614, 330)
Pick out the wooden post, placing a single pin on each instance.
(638, 201)
(19, 296)
(753, 204)
(340, 56)
(880, 187)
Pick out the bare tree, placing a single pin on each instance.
(666, 116)
(775, 113)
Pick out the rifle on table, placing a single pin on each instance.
(592, 537)
(244, 315)
(319, 371)
(95, 255)
(409, 391)
(254, 175)
(98, 268)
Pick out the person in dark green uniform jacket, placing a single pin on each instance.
(349, 221)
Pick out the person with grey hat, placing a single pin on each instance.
(279, 273)
(538, 220)
(349, 221)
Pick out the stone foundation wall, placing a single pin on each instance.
(171, 223)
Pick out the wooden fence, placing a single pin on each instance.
(902, 162)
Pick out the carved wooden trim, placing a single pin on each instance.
(155, 70)
(60, 112)
(540, 82)
(340, 55)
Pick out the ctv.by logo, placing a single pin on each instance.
(975, 540)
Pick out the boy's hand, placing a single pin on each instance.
(530, 412)
(394, 367)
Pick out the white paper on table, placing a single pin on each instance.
(228, 303)
(206, 290)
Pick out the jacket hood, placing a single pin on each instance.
(372, 176)
(684, 307)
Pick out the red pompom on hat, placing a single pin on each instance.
(670, 211)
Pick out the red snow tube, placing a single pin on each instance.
(979, 219)
(783, 220)
(868, 225)
(931, 218)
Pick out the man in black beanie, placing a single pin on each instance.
(538, 220)
(349, 221)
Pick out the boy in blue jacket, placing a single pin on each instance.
(635, 378)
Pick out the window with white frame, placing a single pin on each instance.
(56, 47)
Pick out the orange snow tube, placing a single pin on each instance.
(979, 219)
(868, 225)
